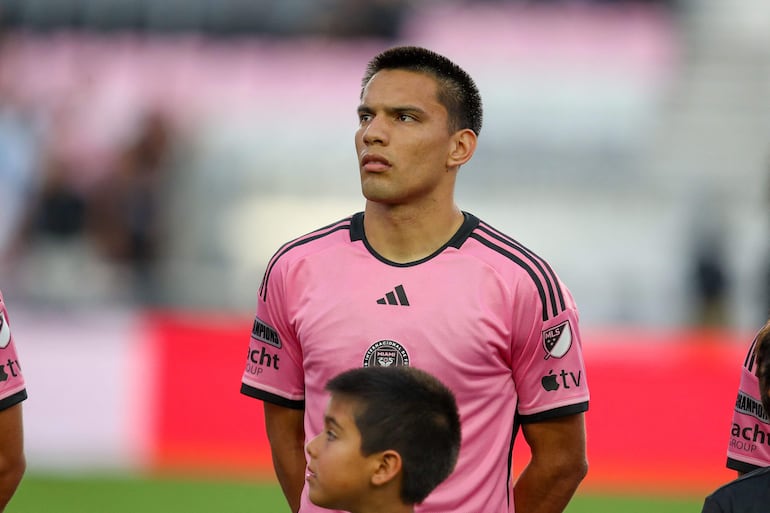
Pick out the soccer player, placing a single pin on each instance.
(12, 392)
(749, 493)
(391, 435)
(749, 447)
(415, 281)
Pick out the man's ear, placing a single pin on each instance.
(389, 466)
(463, 146)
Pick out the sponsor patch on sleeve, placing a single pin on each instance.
(264, 333)
(557, 340)
(747, 405)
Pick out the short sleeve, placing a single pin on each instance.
(746, 450)
(12, 385)
(548, 366)
(274, 371)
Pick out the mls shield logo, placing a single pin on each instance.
(557, 340)
(5, 332)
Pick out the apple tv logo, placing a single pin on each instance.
(549, 382)
(14, 372)
(552, 382)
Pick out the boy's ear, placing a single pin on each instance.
(389, 466)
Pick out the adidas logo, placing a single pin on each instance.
(395, 297)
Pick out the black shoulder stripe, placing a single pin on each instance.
(522, 264)
(750, 356)
(317, 234)
(538, 261)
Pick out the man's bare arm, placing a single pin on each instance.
(557, 467)
(12, 461)
(286, 433)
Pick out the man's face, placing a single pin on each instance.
(403, 140)
(338, 475)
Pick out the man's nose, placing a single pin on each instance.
(375, 131)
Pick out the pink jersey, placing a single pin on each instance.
(749, 446)
(484, 314)
(12, 387)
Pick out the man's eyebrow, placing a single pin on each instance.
(365, 109)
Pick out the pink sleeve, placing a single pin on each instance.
(548, 366)
(12, 386)
(749, 445)
(274, 371)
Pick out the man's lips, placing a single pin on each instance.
(374, 163)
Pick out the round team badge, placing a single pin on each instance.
(386, 353)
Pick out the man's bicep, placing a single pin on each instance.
(11, 438)
(285, 431)
(284, 423)
(562, 437)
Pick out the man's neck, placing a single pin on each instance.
(407, 234)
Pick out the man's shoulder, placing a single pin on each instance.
(503, 251)
(499, 240)
(338, 232)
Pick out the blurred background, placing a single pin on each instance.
(154, 154)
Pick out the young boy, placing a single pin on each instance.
(751, 492)
(391, 435)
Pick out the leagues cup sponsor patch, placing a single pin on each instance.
(266, 334)
(557, 340)
(5, 331)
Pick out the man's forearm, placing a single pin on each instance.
(544, 489)
(290, 471)
(286, 434)
(9, 481)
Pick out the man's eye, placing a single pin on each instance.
(330, 435)
(363, 118)
(405, 117)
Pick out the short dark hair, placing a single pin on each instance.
(762, 353)
(457, 91)
(409, 411)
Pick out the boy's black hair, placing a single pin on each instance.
(409, 411)
(457, 91)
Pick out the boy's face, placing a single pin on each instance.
(338, 475)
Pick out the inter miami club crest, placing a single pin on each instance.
(5, 331)
(557, 340)
(386, 353)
